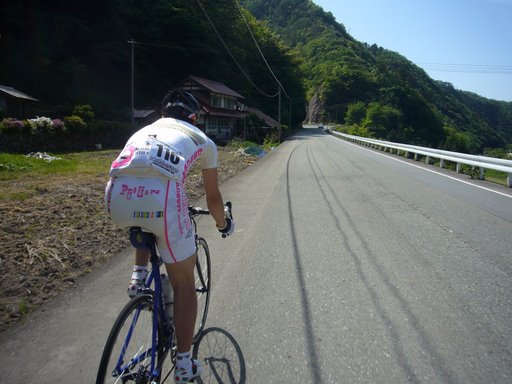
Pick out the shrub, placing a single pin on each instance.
(11, 125)
(238, 143)
(41, 125)
(74, 123)
(15, 135)
(271, 140)
(472, 171)
(84, 111)
(58, 125)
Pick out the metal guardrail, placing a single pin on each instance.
(459, 159)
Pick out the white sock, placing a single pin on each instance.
(183, 360)
(139, 272)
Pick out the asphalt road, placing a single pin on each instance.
(347, 266)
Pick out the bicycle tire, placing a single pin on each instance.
(203, 286)
(136, 317)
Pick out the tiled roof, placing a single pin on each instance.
(216, 87)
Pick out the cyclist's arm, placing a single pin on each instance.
(213, 196)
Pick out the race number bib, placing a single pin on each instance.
(154, 154)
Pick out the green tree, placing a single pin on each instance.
(356, 113)
(382, 119)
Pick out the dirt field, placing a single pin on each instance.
(52, 238)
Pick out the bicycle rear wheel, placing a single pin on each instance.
(127, 354)
(203, 285)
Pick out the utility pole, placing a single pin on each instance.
(290, 126)
(279, 116)
(132, 42)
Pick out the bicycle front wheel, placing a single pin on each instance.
(127, 354)
(203, 285)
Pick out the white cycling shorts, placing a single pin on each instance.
(157, 205)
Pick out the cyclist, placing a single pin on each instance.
(147, 189)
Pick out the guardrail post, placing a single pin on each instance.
(509, 180)
(441, 163)
(427, 160)
(459, 168)
(482, 173)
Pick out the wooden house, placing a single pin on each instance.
(220, 105)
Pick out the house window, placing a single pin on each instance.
(216, 100)
(222, 101)
(219, 128)
(230, 103)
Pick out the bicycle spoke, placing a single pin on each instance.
(127, 355)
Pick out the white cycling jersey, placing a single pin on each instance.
(168, 148)
(146, 188)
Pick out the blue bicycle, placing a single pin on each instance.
(142, 336)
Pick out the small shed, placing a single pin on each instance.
(268, 122)
(15, 103)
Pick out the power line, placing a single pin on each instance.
(257, 46)
(468, 68)
(232, 56)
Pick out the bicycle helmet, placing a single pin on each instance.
(180, 105)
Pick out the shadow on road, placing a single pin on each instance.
(221, 356)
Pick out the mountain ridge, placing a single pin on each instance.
(342, 72)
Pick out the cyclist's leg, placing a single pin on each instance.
(141, 256)
(185, 311)
(185, 300)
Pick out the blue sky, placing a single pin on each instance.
(465, 42)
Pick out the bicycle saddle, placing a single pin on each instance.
(141, 239)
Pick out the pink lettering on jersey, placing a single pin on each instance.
(138, 191)
(127, 191)
(189, 162)
(125, 157)
(178, 207)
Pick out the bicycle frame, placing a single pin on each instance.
(146, 240)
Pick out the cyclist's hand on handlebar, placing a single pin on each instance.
(230, 223)
(228, 229)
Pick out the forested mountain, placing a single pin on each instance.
(67, 53)
(77, 52)
(379, 91)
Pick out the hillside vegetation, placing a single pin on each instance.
(68, 53)
(377, 91)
